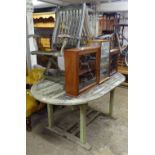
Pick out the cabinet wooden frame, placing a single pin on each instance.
(72, 71)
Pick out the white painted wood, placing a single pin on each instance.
(31, 43)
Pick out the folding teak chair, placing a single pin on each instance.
(71, 31)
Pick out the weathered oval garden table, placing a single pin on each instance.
(52, 93)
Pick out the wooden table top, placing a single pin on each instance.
(52, 92)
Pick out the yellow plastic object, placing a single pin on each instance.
(31, 104)
(34, 76)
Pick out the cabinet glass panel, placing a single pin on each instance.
(113, 64)
(104, 65)
(87, 70)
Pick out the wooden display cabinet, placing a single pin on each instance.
(104, 58)
(113, 66)
(81, 69)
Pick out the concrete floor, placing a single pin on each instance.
(107, 136)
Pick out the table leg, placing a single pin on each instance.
(83, 123)
(50, 115)
(112, 92)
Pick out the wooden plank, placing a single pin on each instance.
(69, 136)
(70, 127)
(93, 118)
(75, 132)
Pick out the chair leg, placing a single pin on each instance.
(28, 123)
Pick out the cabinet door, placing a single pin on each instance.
(87, 70)
(104, 64)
